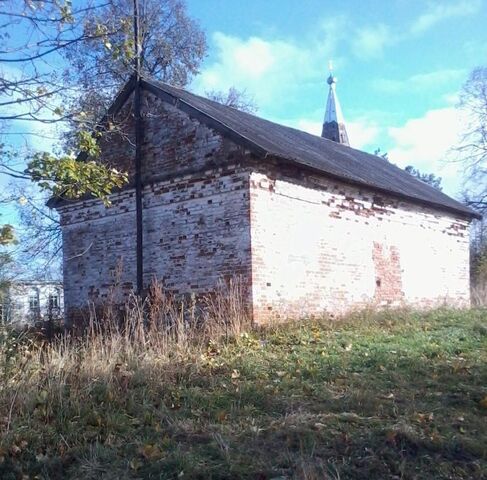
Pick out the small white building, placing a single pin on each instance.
(26, 303)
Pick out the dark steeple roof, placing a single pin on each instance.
(334, 123)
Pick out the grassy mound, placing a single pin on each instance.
(386, 396)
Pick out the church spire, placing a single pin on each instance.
(334, 124)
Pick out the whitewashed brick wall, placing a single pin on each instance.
(334, 248)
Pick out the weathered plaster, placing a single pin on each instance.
(322, 246)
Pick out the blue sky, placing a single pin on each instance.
(400, 65)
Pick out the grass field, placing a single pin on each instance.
(397, 395)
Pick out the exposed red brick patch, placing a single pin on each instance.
(388, 275)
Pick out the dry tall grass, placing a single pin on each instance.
(152, 341)
(478, 294)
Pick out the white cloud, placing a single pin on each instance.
(432, 79)
(282, 74)
(443, 10)
(272, 71)
(265, 69)
(426, 142)
(256, 57)
(363, 134)
(306, 125)
(331, 33)
(420, 81)
(369, 42)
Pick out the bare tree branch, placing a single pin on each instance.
(472, 150)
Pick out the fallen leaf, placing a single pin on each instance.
(424, 417)
(221, 416)
(391, 437)
(150, 452)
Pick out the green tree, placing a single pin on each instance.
(172, 48)
(379, 153)
(96, 41)
(429, 178)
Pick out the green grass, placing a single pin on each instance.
(396, 395)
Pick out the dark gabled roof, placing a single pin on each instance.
(301, 148)
(321, 155)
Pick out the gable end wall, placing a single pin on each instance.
(196, 212)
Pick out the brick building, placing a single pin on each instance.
(311, 224)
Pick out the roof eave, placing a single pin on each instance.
(437, 206)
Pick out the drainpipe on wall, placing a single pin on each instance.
(138, 155)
